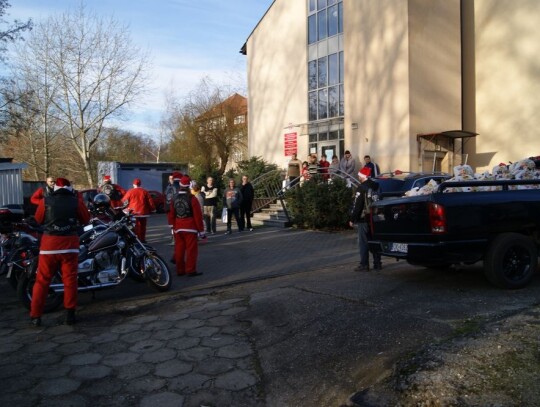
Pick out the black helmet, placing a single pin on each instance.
(102, 201)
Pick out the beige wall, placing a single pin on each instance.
(507, 81)
(403, 76)
(377, 81)
(277, 80)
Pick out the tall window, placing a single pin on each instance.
(325, 69)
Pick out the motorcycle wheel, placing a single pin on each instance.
(157, 273)
(135, 267)
(25, 287)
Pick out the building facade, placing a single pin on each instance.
(416, 84)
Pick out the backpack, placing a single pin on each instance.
(182, 206)
(111, 192)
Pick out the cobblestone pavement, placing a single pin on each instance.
(187, 347)
(174, 353)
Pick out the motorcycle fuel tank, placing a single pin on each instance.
(103, 241)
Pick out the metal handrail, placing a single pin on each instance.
(270, 188)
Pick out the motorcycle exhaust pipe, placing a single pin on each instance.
(59, 288)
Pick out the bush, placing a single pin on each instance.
(320, 205)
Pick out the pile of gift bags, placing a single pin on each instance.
(527, 168)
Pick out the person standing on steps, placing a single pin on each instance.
(294, 170)
(60, 213)
(347, 165)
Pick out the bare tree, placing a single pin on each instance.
(93, 73)
(211, 127)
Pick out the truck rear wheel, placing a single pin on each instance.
(511, 261)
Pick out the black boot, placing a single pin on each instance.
(70, 317)
(36, 321)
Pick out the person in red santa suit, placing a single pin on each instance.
(60, 214)
(185, 216)
(140, 202)
(114, 191)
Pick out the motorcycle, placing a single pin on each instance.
(106, 258)
(17, 249)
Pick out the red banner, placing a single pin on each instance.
(290, 143)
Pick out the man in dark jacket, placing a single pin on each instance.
(247, 202)
(60, 214)
(366, 193)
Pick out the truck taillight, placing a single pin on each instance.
(437, 218)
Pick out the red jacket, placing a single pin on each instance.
(38, 195)
(139, 201)
(61, 244)
(192, 224)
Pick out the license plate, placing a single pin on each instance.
(399, 247)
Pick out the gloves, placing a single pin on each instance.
(202, 237)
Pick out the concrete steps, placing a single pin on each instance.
(273, 215)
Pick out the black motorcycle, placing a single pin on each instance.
(106, 258)
(17, 249)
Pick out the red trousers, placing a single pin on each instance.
(186, 251)
(140, 228)
(48, 265)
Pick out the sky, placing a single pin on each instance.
(187, 41)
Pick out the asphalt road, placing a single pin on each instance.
(322, 331)
(318, 331)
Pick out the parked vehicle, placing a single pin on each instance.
(395, 184)
(105, 260)
(500, 227)
(159, 200)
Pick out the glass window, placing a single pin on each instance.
(312, 75)
(321, 70)
(313, 105)
(313, 138)
(323, 136)
(341, 101)
(333, 135)
(321, 4)
(333, 20)
(333, 101)
(330, 2)
(340, 17)
(311, 5)
(322, 21)
(323, 104)
(341, 67)
(333, 69)
(312, 29)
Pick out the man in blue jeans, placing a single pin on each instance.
(359, 215)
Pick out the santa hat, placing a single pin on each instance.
(106, 178)
(62, 183)
(177, 175)
(364, 173)
(137, 182)
(185, 181)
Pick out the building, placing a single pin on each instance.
(224, 127)
(395, 79)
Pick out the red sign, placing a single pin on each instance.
(290, 143)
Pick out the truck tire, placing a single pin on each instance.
(511, 261)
